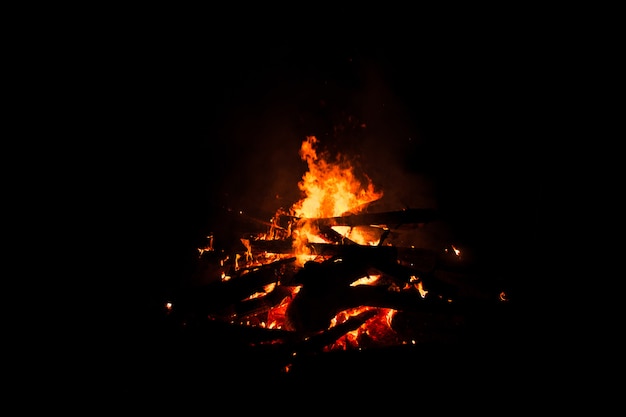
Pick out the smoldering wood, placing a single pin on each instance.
(220, 296)
(332, 273)
(327, 281)
(326, 285)
(332, 235)
(274, 265)
(391, 218)
(236, 334)
(383, 259)
(327, 290)
(311, 311)
(417, 259)
(262, 304)
(326, 249)
(346, 264)
(362, 253)
(316, 341)
(280, 246)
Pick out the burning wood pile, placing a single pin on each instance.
(326, 276)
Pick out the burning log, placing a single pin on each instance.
(369, 254)
(262, 304)
(390, 218)
(308, 300)
(330, 234)
(394, 260)
(318, 341)
(327, 289)
(280, 246)
(237, 335)
(220, 297)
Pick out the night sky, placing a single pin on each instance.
(190, 126)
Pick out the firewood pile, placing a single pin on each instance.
(339, 272)
(278, 295)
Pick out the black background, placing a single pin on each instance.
(175, 124)
(206, 126)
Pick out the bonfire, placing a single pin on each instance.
(325, 274)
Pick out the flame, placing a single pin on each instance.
(358, 235)
(368, 280)
(331, 188)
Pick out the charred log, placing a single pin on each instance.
(331, 235)
(390, 218)
(235, 335)
(312, 311)
(327, 290)
(261, 305)
(319, 340)
(221, 296)
(383, 257)
(282, 246)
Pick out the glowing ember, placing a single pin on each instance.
(276, 315)
(374, 332)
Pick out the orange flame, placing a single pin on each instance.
(331, 188)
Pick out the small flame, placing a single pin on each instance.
(368, 280)
(358, 235)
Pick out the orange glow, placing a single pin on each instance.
(276, 315)
(376, 331)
